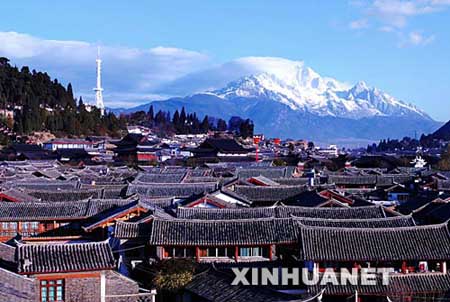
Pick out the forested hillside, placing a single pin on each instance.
(182, 122)
(40, 103)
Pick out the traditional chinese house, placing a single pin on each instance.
(64, 272)
(417, 255)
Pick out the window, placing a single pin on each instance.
(190, 252)
(52, 290)
(216, 252)
(254, 251)
(8, 229)
(30, 228)
(179, 252)
(212, 252)
(221, 252)
(244, 251)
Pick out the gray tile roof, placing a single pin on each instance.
(65, 195)
(19, 195)
(400, 285)
(126, 230)
(269, 194)
(223, 232)
(269, 172)
(389, 222)
(280, 212)
(159, 178)
(216, 286)
(382, 244)
(58, 258)
(171, 190)
(27, 211)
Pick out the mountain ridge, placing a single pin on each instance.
(308, 91)
(296, 94)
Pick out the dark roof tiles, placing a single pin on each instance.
(389, 222)
(382, 244)
(58, 258)
(282, 212)
(223, 232)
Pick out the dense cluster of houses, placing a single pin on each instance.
(94, 232)
(142, 147)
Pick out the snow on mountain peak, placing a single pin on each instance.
(293, 84)
(360, 86)
(301, 88)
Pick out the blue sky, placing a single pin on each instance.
(402, 47)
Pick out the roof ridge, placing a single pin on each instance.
(352, 219)
(376, 230)
(272, 218)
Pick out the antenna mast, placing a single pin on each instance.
(98, 89)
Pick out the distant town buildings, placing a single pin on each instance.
(99, 219)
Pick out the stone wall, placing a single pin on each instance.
(16, 288)
(116, 284)
(82, 289)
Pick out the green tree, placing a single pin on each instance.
(173, 274)
(246, 128)
(204, 126)
(279, 162)
(221, 125)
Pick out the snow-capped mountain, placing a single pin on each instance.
(302, 89)
(285, 98)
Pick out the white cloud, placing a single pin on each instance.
(393, 16)
(387, 29)
(129, 74)
(359, 24)
(397, 12)
(416, 38)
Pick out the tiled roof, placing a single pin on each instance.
(216, 286)
(264, 180)
(280, 212)
(437, 211)
(108, 214)
(19, 195)
(58, 258)
(400, 285)
(21, 211)
(380, 180)
(382, 244)
(126, 230)
(389, 222)
(65, 195)
(290, 181)
(222, 232)
(269, 172)
(223, 145)
(308, 199)
(269, 194)
(171, 190)
(43, 185)
(160, 177)
(201, 179)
